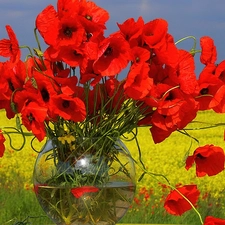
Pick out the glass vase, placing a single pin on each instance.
(84, 182)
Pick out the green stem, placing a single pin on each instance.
(89, 213)
(153, 175)
(193, 51)
(20, 132)
(185, 38)
(193, 207)
(187, 134)
(37, 39)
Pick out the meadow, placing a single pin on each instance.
(18, 201)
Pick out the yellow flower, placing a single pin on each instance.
(62, 139)
(70, 138)
(67, 138)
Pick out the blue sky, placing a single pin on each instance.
(185, 17)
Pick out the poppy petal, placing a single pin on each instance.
(80, 191)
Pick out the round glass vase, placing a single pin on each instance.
(85, 182)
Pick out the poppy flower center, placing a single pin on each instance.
(204, 91)
(45, 95)
(68, 32)
(200, 156)
(137, 59)
(127, 37)
(76, 53)
(222, 76)
(149, 33)
(30, 117)
(66, 104)
(108, 51)
(169, 97)
(89, 35)
(11, 87)
(11, 47)
(88, 17)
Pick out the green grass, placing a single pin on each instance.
(17, 205)
(18, 201)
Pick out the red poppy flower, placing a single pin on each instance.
(67, 82)
(113, 55)
(28, 94)
(71, 32)
(68, 107)
(33, 117)
(91, 17)
(80, 191)
(139, 55)
(220, 71)
(59, 32)
(209, 84)
(208, 54)
(138, 83)
(14, 74)
(12, 78)
(68, 54)
(2, 146)
(93, 36)
(184, 73)
(90, 11)
(176, 205)
(69, 38)
(10, 47)
(66, 8)
(137, 201)
(175, 109)
(39, 86)
(167, 53)
(159, 134)
(85, 9)
(158, 72)
(210, 220)
(218, 101)
(47, 87)
(154, 33)
(132, 30)
(5, 104)
(5, 93)
(47, 23)
(87, 74)
(209, 160)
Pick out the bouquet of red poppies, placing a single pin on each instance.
(77, 86)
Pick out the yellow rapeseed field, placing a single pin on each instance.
(167, 158)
